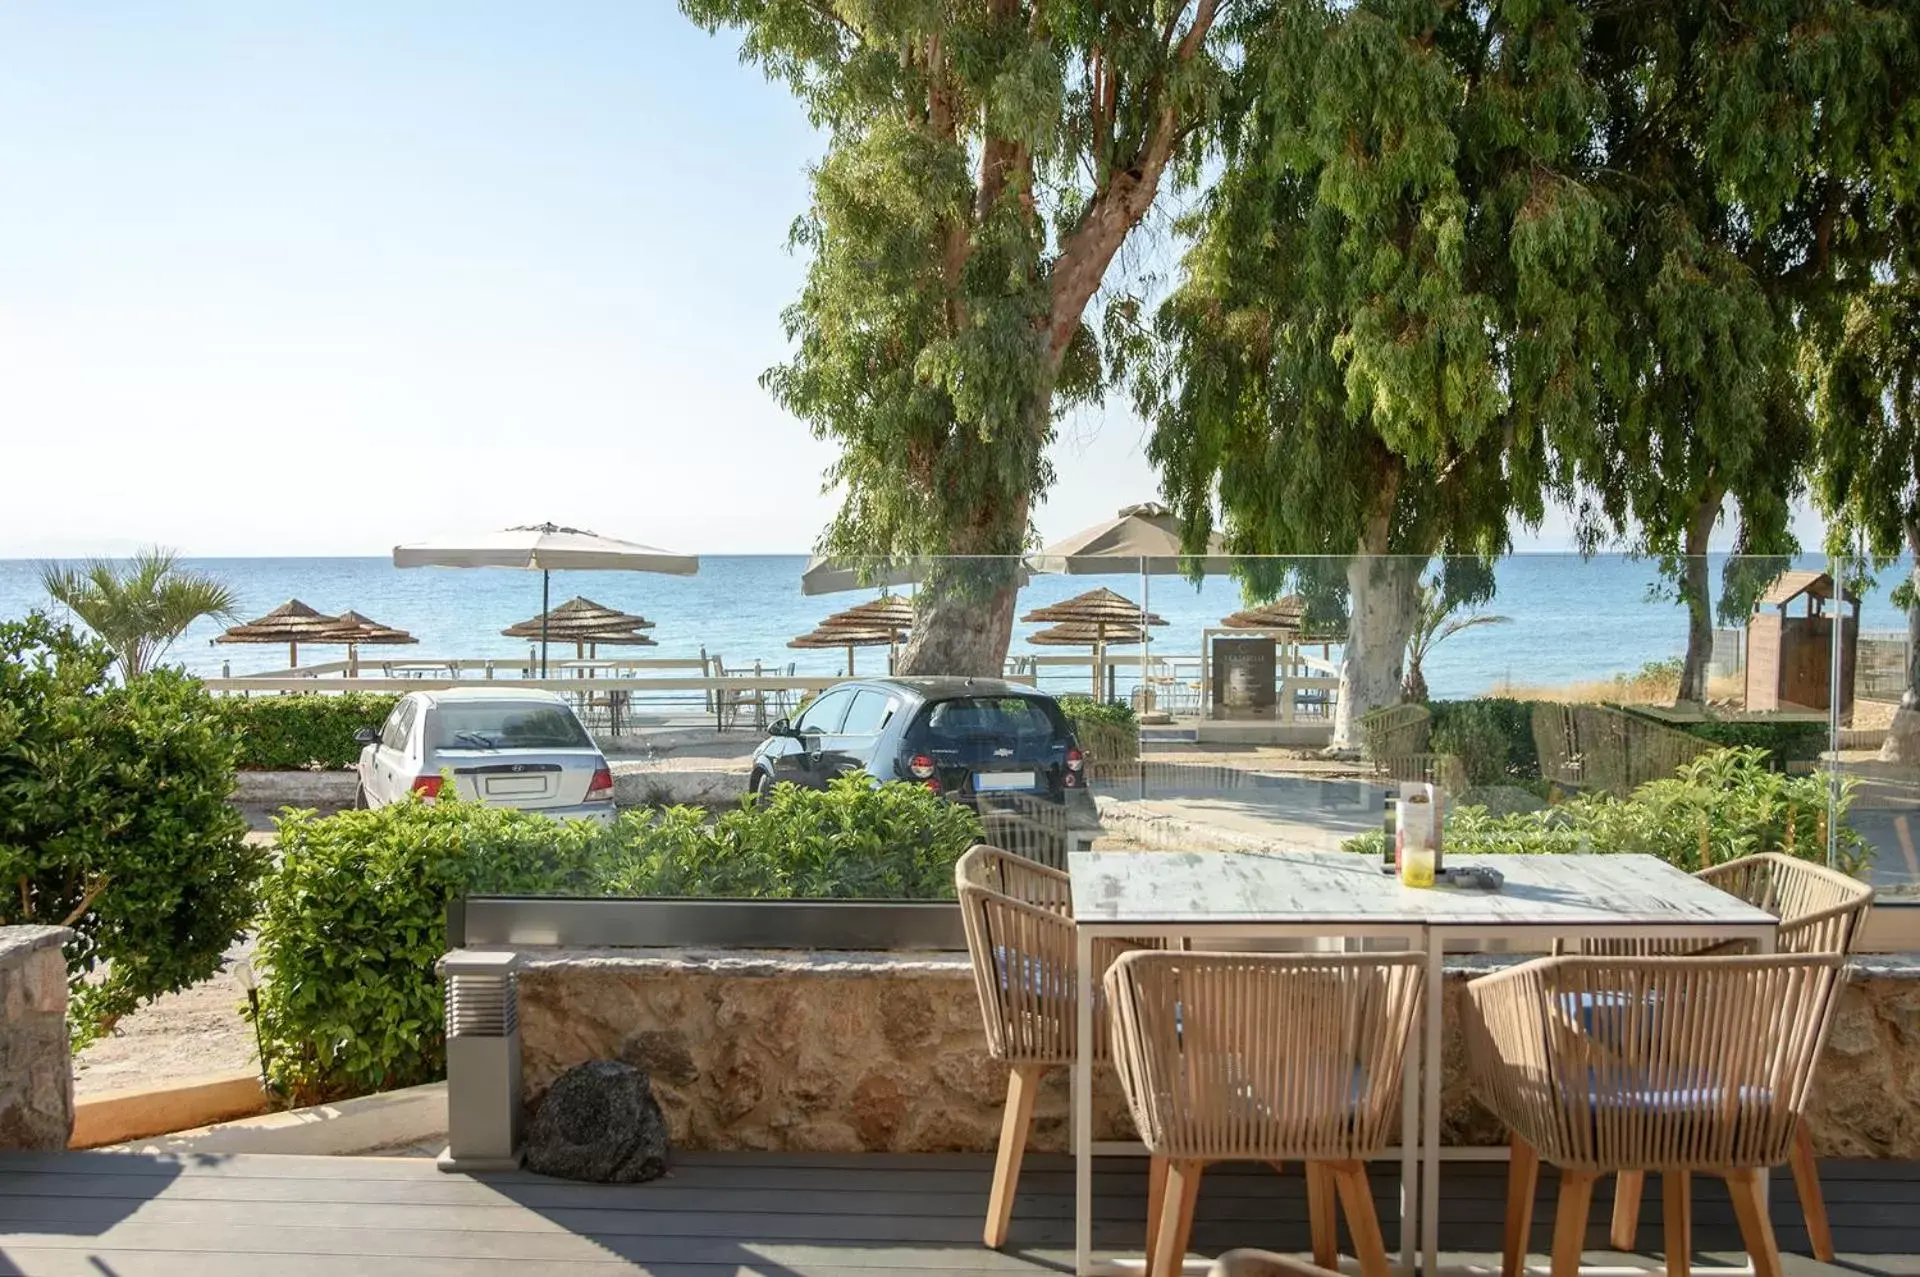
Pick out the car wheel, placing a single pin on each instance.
(359, 797)
(758, 784)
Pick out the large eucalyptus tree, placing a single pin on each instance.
(986, 160)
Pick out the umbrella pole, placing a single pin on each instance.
(546, 581)
(1146, 643)
(293, 656)
(849, 660)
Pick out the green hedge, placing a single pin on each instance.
(1491, 735)
(1721, 806)
(1783, 743)
(356, 911)
(303, 729)
(1109, 731)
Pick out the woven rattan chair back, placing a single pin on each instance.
(1265, 1057)
(1821, 910)
(1019, 924)
(1691, 1063)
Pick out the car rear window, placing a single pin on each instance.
(990, 716)
(507, 726)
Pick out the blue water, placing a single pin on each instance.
(1572, 619)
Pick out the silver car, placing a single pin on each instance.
(505, 747)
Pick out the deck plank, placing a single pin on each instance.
(725, 1215)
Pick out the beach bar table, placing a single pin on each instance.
(1232, 895)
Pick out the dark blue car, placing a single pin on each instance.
(961, 737)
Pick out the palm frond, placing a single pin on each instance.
(137, 606)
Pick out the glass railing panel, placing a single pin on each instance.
(1249, 710)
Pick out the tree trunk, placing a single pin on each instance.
(1383, 594)
(1696, 592)
(1903, 734)
(963, 609)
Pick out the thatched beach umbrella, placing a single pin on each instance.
(1085, 634)
(292, 623)
(587, 625)
(353, 629)
(1102, 613)
(890, 611)
(1286, 613)
(848, 637)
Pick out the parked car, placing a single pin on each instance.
(962, 737)
(505, 747)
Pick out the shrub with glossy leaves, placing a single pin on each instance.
(304, 729)
(355, 919)
(115, 820)
(355, 913)
(1719, 807)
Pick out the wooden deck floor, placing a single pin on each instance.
(765, 1215)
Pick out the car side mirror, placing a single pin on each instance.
(781, 727)
(366, 736)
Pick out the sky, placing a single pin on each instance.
(316, 279)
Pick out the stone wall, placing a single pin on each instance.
(836, 1052)
(36, 1069)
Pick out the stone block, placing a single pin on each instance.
(36, 1068)
(838, 1053)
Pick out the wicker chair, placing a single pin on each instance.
(1264, 1058)
(1264, 1263)
(1606, 1064)
(1820, 911)
(1019, 924)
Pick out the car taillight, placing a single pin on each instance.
(600, 788)
(1075, 759)
(427, 786)
(933, 786)
(920, 767)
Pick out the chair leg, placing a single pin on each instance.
(1627, 1187)
(1323, 1216)
(1813, 1202)
(1156, 1199)
(1570, 1221)
(1176, 1219)
(1676, 1202)
(1523, 1177)
(1756, 1226)
(1023, 1084)
(1356, 1199)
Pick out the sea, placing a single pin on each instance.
(1570, 619)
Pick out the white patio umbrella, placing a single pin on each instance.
(545, 548)
(1143, 538)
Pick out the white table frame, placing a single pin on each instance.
(1420, 1139)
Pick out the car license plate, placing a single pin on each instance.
(985, 781)
(505, 786)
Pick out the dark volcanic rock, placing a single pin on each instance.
(599, 1122)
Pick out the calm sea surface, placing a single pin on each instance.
(1572, 619)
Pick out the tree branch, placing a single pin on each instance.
(1117, 206)
(826, 10)
(86, 901)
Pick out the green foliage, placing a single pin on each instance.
(854, 839)
(355, 913)
(1718, 807)
(138, 606)
(301, 730)
(1779, 743)
(1491, 735)
(1436, 619)
(115, 821)
(1109, 731)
